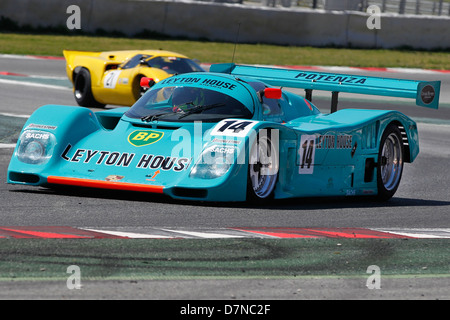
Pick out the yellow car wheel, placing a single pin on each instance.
(82, 90)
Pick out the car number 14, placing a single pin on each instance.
(236, 128)
(307, 153)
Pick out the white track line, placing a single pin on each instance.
(128, 234)
(33, 84)
(7, 145)
(6, 114)
(206, 235)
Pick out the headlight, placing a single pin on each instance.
(35, 147)
(214, 162)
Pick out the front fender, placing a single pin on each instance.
(231, 140)
(66, 124)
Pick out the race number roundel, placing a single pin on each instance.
(111, 78)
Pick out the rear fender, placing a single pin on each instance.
(410, 135)
(354, 120)
(95, 62)
(76, 60)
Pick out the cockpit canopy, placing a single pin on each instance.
(169, 64)
(175, 103)
(213, 97)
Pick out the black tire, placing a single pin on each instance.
(262, 169)
(83, 91)
(390, 162)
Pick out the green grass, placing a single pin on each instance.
(36, 259)
(217, 52)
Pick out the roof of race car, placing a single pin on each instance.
(231, 85)
(123, 55)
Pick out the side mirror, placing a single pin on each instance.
(272, 93)
(147, 82)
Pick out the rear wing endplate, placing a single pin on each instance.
(426, 93)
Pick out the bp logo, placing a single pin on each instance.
(141, 138)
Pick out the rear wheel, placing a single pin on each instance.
(390, 162)
(83, 91)
(263, 169)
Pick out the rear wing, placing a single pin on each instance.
(426, 93)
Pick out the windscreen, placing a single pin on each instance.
(173, 65)
(187, 104)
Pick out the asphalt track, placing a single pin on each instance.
(421, 204)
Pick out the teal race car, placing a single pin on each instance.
(230, 134)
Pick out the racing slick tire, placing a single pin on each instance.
(390, 162)
(262, 169)
(83, 91)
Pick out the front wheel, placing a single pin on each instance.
(390, 162)
(262, 169)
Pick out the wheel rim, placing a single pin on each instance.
(391, 162)
(263, 168)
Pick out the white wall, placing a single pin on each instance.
(215, 21)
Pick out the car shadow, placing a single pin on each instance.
(351, 203)
(315, 203)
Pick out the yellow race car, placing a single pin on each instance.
(101, 78)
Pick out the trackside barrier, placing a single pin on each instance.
(220, 22)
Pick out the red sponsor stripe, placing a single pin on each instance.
(105, 184)
(308, 104)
